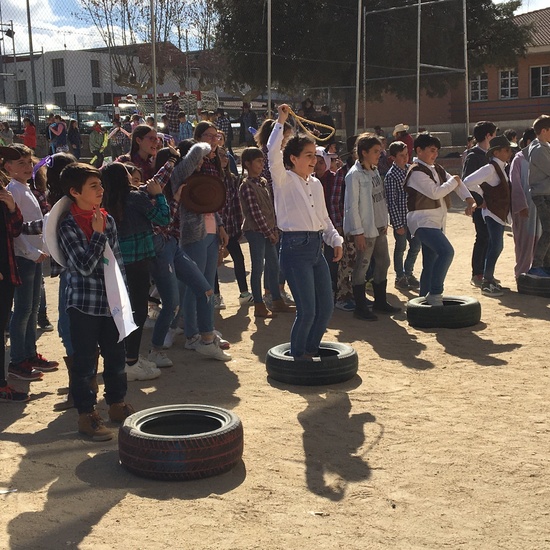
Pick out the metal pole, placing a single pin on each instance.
(33, 73)
(358, 74)
(466, 72)
(154, 60)
(364, 70)
(269, 58)
(419, 24)
(111, 78)
(14, 64)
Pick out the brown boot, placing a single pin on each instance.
(91, 424)
(280, 306)
(260, 310)
(119, 412)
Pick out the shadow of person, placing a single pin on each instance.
(388, 339)
(269, 333)
(332, 441)
(84, 481)
(466, 344)
(525, 305)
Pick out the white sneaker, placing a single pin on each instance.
(193, 342)
(178, 331)
(224, 344)
(160, 359)
(218, 302)
(434, 299)
(246, 299)
(213, 350)
(138, 371)
(146, 363)
(169, 338)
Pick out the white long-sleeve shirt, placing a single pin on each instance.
(299, 203)
(489, 175)
(29, 247)
(433, 218)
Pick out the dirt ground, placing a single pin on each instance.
(441, 441)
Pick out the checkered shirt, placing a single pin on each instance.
(396, 197)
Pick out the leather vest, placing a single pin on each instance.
(417, 200)
(497, 198)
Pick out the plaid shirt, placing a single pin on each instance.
(396, 197)
(224, 124)
(328, 180)
(210, 167)
(85, 278)
(42, 200)
(231, 213)
(139, 246)
(336, 208)
(249, 197)
(14, 223)
(172, 109)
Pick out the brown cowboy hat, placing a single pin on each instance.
(203, 193)
(9, 153)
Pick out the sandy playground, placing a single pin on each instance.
(441, 441)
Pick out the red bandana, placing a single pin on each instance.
(84, 219)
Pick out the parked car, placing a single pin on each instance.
(29, 110)
(86, 120)
(124, 109)
(7, 114)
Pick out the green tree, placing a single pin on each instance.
(314, 44)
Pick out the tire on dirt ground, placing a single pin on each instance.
(457, 312)
(180, 442)
(338, 363)
(534, 286)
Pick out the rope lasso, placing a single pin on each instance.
(299, 120)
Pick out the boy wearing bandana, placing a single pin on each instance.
(83, 235)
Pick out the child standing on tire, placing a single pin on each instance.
(491, 183)
(303, 218)
(428, 186)
(83, 236)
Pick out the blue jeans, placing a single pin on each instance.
(399, 252)
(87, 333)
(494, 249)
(25, 311)
(171, 264)
(262, 250)
(437, 257)
(198, 313)
(307, 273)
(63, 324)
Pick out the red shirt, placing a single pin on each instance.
(29, 136)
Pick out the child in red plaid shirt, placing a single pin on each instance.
(260, 229)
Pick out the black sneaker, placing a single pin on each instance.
(413, 281)
(40, 363)
(11, 395)
(44, 324)
(490, 288)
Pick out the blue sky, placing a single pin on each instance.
(56, 27)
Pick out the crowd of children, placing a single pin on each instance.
(310, 220)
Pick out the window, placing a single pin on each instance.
(540, 81)
(107, 98)
(478, 88)
(60, 98)
(509, 84)
(96, 99)
(22, 89)
(58, 70)
(96, 80)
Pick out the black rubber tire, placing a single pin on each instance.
(180, 442)
(339, 363)
(534, 286)
(457, 312)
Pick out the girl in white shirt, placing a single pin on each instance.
(304, 221)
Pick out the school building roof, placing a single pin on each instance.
(541, 26)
